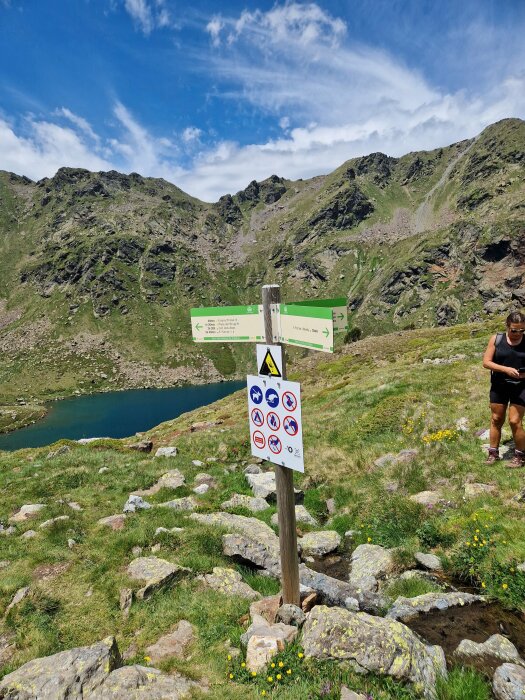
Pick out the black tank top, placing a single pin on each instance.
(509, 356)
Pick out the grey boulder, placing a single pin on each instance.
(155, 573)
(405, 609)
(508, 682)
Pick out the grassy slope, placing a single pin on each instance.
(376, 396)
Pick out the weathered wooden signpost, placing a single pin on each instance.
(274, 403)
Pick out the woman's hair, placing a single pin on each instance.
(515, 317)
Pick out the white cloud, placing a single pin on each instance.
(214, 28)
(191, 134)
(79, 122)
(148, 15)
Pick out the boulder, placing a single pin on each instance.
(29, 534)
(370, 561)
(475, 490)
(115, 522)
(173, 644)
(140, 682)
(253, 469)
(347, 694)
(496, 647)
(373, 644)
(26, 512)
(239, 500)
(201, 489)
(266, 608)
(187, 503)
(263, 486)
(73, 674)
(405, 609)
(166, 452)
(428, 561)
(126, 600)
(229, 582)
(260, 628)
(52, 521)
(62, 450)
(18, 598)
(427, 498)
(508, 682)
(290, 615)
(170, 480)
(332, 591)
(301, 516)
(156, 573)
(207, 479)
(135, 503)
(318, 544)
(260, 650)
(142, 446)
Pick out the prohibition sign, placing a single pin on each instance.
(257, 417)
(274, 444)
(289, 401)
(290, 425)
(273, 420)
(259, 439)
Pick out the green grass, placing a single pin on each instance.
(463, 684)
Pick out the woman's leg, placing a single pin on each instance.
(516, 425)
(498, 411)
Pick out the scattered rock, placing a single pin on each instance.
(75, 506)
(320, 543)
(260, 650)
(405, 609)
(162, 530)
(115, 522)
(496, 647)
(370, 561)
(428, 561)
(142, 446)
(508, 682)
(519, 497)
(474, 490)
(229, 582)
(347, 694)
(204, 425)
(170, 480)
(201, 489)
(166, 452)
(253, 469)
(278, 631)
(18, 598)
(385, 460)
(29, 534)
(266, 608)
(427, 498)
(126, 600)
(136, 551)
(521, 567)
(197, 463)
(263, 486)
(483, 434)
(103, 470)
(374, 644)
(62, 450)
(6, 532)
(207, 479)
(174, 644)
(7, 647)
(155, 548)
(239, 500)
(26, 512)
(157, 573)
(187, 503)
(462, 424)
(52, 521)
(334, 592)
(140, 682)
(301, 516)
(71, 543)
(291, 615)
(330, 506)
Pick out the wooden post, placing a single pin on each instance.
(271, 294)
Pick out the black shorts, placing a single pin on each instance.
(505, 393)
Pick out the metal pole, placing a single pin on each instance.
(271, 294)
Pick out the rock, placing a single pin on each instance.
(157, 573)
(426, 498)
(291, 615)
(207, 479)
(405, 456)
(73, 674)
(136, 551)
(405, 609)
(253, 469)
(334, 592)
(29, 534)
(62, 450)
(320, 543)
(301, 516)
(201, 490)
(260, 628)
(141, 682)
(521, 567)
(126, 600)
(229, 582)
(7, 647)
(11, 530)
(86, 441)
(260, 650)
(155, 548)
(385, 460)
(197, 463)
(462, 424)
(266, 608)
(18, 598)
(263, 486)
(142, 446)
(26, 512)
(370, 561)
(239, 500)
(166, 452)
(373, 644)
(496, 647)
(103, 470)
(258, 543)
(483, 434)
(186, 503)
(428, 561)
(75, 506)
(330, 506)
(475, 490)
(163, 530)
(347, 694)
(519, 497)
(173, 644)
(508, 682)
(52, 521)
(115, 522)
(309, 601)
(170, 480)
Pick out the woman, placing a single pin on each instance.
(505, 357)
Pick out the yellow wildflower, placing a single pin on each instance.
(281, 664)
(483, 585)
(504, 586)
(229, 657)
(289, 671)
(147, 659)
(231, 676)
(278, 676)
(369, 539)
(254, 673)
(300, 654)
(272, 665)
(270, 679)
(263, 692)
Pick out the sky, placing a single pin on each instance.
(210, 96)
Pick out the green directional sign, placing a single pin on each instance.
(229, 324)
(307, 326)
(339, 310)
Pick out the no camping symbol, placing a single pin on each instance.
(257, 417)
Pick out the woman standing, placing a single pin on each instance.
(505, 357)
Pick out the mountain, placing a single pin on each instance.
(98, 271)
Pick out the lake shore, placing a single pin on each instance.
(14, 417)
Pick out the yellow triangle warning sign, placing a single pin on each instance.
(269, 366)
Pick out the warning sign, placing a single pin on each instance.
(274, 408)
(270, 361)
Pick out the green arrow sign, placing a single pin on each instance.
(306, 326)
(229, 324)
(338, 306)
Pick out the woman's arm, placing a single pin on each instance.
(489, 364)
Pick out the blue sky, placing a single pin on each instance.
(212, 95)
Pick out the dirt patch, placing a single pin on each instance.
(334, 565)
(46, 572)
(477, 622)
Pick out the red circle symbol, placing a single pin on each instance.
(275, 444)
(273, 420)
(290, 425)
(257, 417)
(259, 439)
(289, 401)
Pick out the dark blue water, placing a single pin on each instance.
(117, 414)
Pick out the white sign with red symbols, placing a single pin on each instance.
(274, 410)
